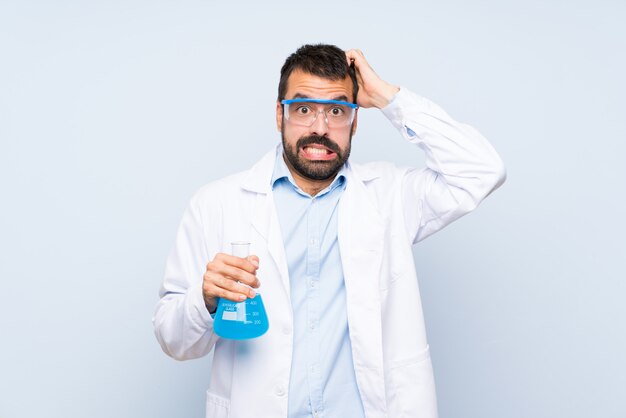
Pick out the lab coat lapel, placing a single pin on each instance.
(265, 222)
(361, 236)
(265, 217)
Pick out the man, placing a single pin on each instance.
(332, 252)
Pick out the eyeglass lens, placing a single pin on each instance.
(305, 114)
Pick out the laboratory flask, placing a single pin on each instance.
(241, 320)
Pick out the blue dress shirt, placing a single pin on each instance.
(323, 382)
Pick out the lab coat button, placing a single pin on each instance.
(286, 330)
(280, 391)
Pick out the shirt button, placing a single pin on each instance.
(280, 391)
(312, 325)
(286, 330)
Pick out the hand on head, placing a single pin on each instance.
(373, 91)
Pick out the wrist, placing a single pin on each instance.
(385, 95)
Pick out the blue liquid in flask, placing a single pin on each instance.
(241, 320)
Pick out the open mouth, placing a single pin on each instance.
(317, 152)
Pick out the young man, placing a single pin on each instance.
(331, 244)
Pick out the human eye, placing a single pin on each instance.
(336, 111)
(303, 110)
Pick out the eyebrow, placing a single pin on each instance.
(341, 98)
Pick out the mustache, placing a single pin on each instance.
(321, 140)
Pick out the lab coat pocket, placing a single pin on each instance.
(414, 359)
(412, 386)
(217, 406)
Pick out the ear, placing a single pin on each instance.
(279, 116)
(356, 119)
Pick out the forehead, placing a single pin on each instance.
(305, 84)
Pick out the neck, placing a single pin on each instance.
(309, 186)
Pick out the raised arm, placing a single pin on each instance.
(462, 168)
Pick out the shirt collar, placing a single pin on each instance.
(282, 174)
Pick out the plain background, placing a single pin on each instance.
(113, 113)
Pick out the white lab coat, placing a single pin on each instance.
(383, 211)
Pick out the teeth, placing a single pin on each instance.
(311, 150)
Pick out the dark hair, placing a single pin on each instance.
(326, 61)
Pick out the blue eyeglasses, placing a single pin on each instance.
(303, 112)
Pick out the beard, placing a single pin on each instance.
(316, 170)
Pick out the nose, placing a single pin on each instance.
(320, 124)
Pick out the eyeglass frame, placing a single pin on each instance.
(353, 106)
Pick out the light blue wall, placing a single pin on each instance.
(112, 113)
